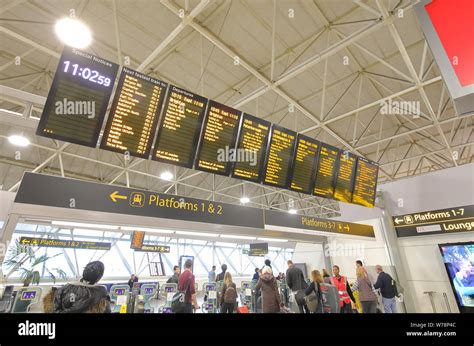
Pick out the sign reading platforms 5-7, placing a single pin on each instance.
(61, 243)
(60, 192)
(449, 220)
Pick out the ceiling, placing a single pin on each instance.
(334, 60)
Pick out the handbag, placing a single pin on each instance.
(178, 302)
(313, 301)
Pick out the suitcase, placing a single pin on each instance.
(243, 309)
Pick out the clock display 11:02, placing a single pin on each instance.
(86, 73)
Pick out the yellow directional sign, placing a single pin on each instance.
(115, 195)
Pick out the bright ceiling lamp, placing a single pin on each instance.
(237, 237)
(292, 211)
(144, 229)
(19, 140)
(244, 200)
(73, 32)
(166, 176)
(275, 240)
(197, 234)
(83, 225)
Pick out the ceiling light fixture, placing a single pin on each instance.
(144, 229)
(83, 225)
(292, 211)
(244, 200)
(274, 240)
(197, 234)
(166, 176)
(237, 237)
(19, 140)
(73, 32)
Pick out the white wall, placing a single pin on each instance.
(311, 254)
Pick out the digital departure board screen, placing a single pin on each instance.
(216, 147)
(325, 174)
(78, 98)
(365, 185)
(305, 163)
(279, 157)
(345, 177)
(134, 114)
(251, 148)
(179, 128)
(260, 249)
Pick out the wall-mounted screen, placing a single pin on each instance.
(365, 185)
(326, 172)
(304, 164)
(459, 262)
(77, 101)
(345, 177)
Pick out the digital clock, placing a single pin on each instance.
(86, 73)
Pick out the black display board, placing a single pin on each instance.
(305, 163)
(253, 137)
(216, 150)
(134, 114)
(325, 174)
(260, 249)
(279, 158)
(365, 185)
(179, 128)
(64, 244)
(345, 177)
(78, 98)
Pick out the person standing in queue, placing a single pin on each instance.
(84, 296)
(296, 282)
(132, 280)
(315, 286)
(270, 296)
(367, 293)
(174, 279)
(228, 294)
(326, 277)
(220, 276)
(186, 284)
(211, 276)
(256, 276)
(344, 290)
(386, 285)
(359, 264)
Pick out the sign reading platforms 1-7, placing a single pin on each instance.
(70, 244)
(443, 221)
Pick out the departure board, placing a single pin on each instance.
(134, 114)
(217, 143)
(305, 163)
(365, 185)
(345, 177)
(279, 158)
(78, 98)
(251, 148)
(179, 128)
(325, 174)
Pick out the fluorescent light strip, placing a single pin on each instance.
(144, 229)
(198, 234)
(275, 240)
(237, 237)
(83, 225)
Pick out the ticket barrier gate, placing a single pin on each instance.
(284, 293)
(210, 291)
(247, 295)
(219, 285)
(148, 292)
(6, 298)
(119, 296)
(25, 298)
(167, 291)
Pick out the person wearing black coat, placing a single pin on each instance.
(296, 282)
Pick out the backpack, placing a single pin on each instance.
(178, 302)
(230, 295)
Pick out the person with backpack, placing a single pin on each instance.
(229, 295)
(296, 282)
(270, 296)
(367, 294)
(84, 296)
(184, 300)
(387, 287)
(314, 299)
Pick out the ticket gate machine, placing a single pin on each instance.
(168, 291)
(247, 294)
(26, 297)
(148, 291)
(119, 295)
(210, 291)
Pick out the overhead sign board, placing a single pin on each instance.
(137, 239)
(258, 250)
(57, 192)
(442, 221)
(282, 219)
(154, 248)
(61, 243)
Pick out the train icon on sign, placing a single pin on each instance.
(408, 219)
(137, 199)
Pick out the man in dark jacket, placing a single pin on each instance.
(80, 297)
(220, 276)
(386, 285)
(174, 279)
(296, 282)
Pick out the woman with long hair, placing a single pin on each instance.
(314, 302)
(228, 294)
